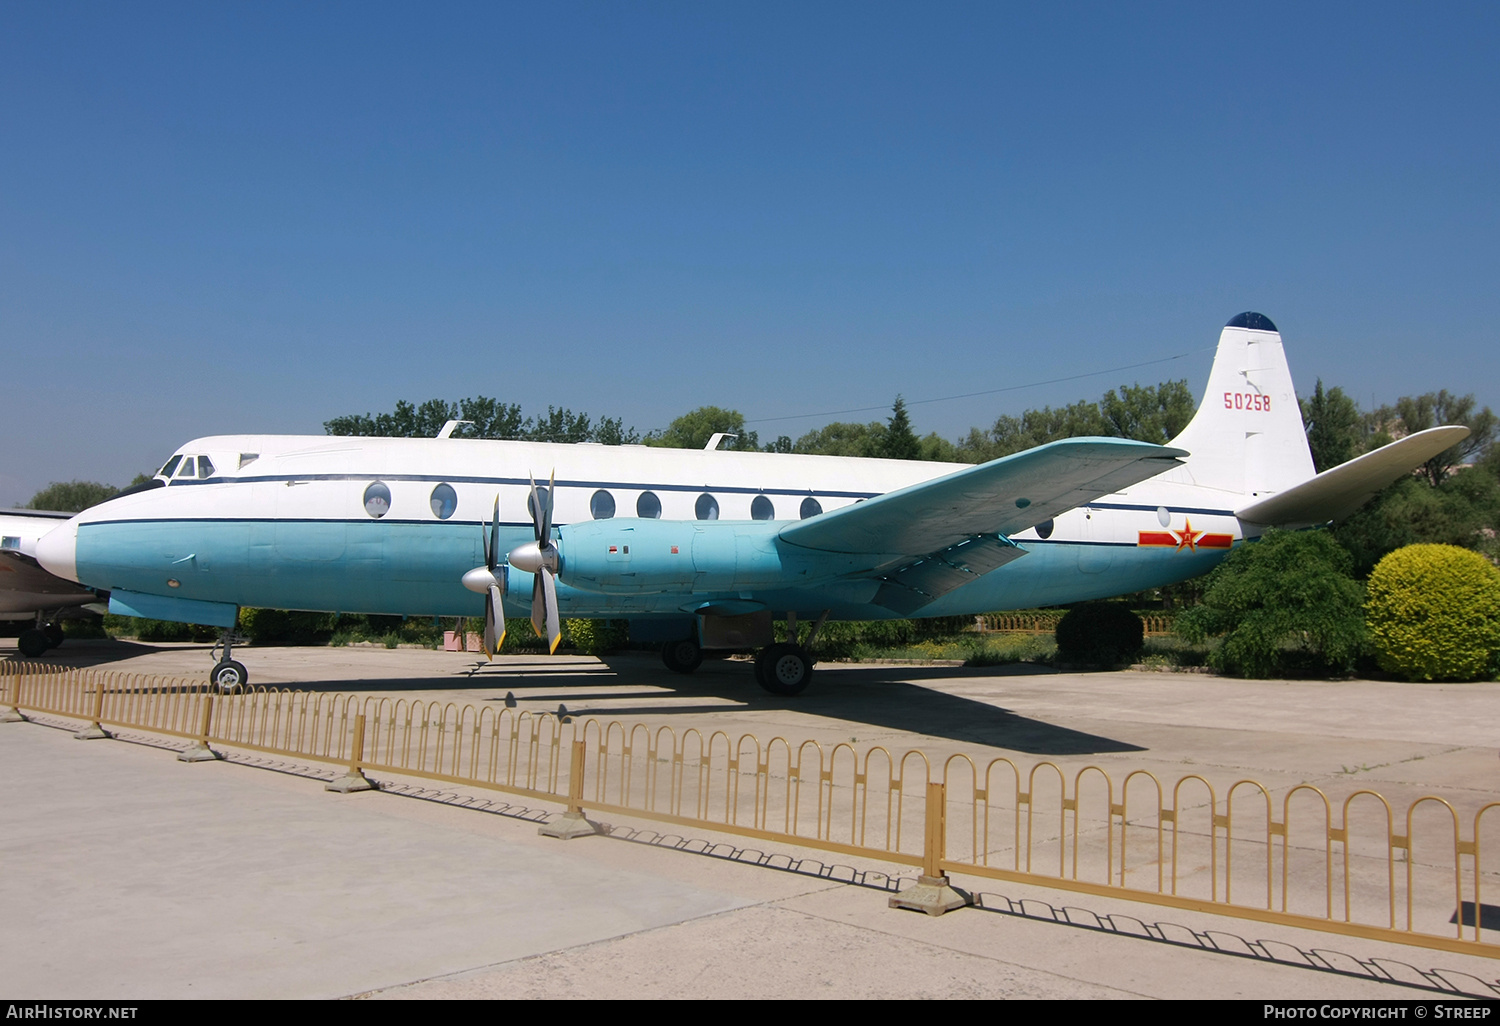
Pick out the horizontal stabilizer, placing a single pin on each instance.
(1336, 493)
(1000, 497)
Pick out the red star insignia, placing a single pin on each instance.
(1187, 537)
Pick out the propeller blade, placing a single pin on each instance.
(494, 622)
(536, 512)
(546, 536)
(554, 627)
(492, 546)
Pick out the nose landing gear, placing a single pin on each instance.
(229, 675)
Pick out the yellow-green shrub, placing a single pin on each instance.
(1434, 613)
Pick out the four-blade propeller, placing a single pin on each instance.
(541, 559)
(486, 580)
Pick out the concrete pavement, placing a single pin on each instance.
(128, 874)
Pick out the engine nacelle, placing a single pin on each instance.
(643, 557)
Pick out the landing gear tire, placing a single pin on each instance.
(682, 656)
(55, 635)
(783, 669)
(33, 643)
(230, 677)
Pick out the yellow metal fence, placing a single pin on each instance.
(1356, 865)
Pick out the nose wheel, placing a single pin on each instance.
(230, 677)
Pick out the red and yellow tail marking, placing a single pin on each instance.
(1187, 538)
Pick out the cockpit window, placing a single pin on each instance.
(248, 457)
(205, 468)
(188, 467)
(166, 471)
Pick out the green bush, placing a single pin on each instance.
(1099, 634)
(157, 630)
(1284, 605)
(597, 637)
(1434, 613)
(285, 627)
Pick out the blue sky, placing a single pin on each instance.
(255, 217)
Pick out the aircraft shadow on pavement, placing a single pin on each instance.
(883, 697)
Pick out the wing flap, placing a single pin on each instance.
(996, 498)
(910, 587)
(1336, 493)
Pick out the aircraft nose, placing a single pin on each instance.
(57, 551)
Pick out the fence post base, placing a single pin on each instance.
(931, 894)
(354, 780)
(200, 752)
(11, 715)
(568, 826)
(93, 732)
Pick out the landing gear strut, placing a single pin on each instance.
(229, 675)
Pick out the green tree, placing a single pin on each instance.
(938, 449)
(900, 442)
(560, 426)
(488, 418)
(843, 439)
(1418, 413)
(491, 418)
(1287, 603)
(71, 496)
(1335, 427)
(1463, 510)
(1037, 427)
(692, 430)
(1148, 413)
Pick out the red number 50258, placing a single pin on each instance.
(1246, 401)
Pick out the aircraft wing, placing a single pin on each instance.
(1336, 493)
(25, 586)
(932, 537)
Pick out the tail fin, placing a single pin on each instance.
(1247, 436)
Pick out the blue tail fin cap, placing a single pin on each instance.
(1253, 321)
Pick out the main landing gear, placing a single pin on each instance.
(35, 642)
(229, 675)
(782, 668)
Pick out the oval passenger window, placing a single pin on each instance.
(444, 501)
(811, 507)
(648, 506)
(707, 507)
(377, 500)
(761, 508)
(602, 505)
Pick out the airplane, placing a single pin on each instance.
(699, 549)
(27, 592)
